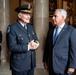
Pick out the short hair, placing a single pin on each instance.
(62, 12)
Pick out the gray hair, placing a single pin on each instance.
(62, 12)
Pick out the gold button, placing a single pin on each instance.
(32, 32)
(22, 38)
(19, 34)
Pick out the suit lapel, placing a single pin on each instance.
(62, 33)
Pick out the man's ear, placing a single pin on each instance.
(19, 15)
(63, 17)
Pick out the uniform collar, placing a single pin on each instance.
(21, 23)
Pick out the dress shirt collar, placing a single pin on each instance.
(61, 26)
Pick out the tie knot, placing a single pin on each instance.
(57, 27)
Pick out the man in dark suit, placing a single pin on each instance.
(60, 53)
(0, 45)
(22, 43)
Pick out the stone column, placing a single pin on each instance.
(41, 23)
(4, 21)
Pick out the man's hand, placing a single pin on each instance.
(33, 45)
(70, 70)
(45, 66)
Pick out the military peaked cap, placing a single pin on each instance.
(27, 8)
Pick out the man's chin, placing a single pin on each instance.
(27, 22)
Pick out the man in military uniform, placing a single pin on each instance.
(0, 45)
(22, 43)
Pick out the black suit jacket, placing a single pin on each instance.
(17, 38)
(62, 54)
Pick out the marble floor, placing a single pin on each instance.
(5, 70)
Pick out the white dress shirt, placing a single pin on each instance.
(59, 29)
